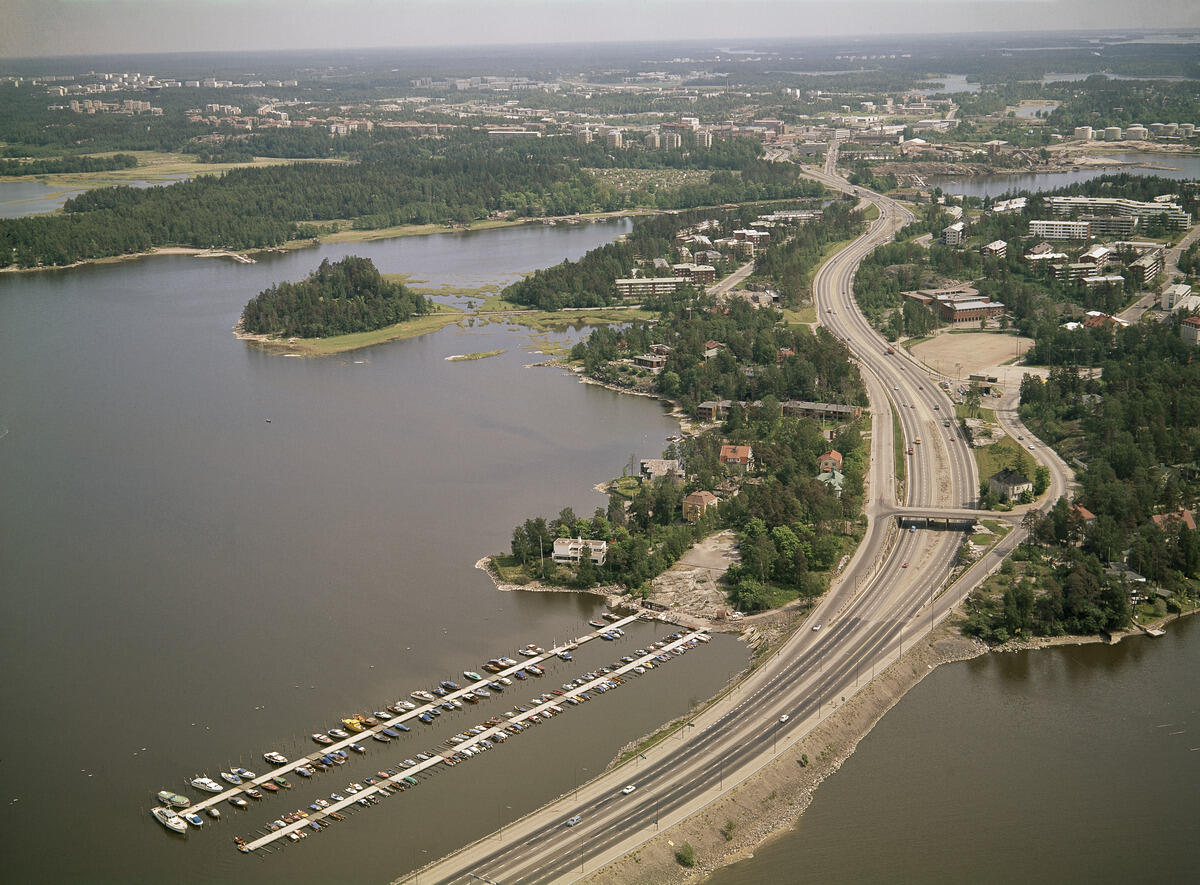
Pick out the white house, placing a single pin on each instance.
(571, 550)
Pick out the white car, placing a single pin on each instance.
(816, 627)
(629, 789)
(574, 820)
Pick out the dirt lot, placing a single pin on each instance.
(690, 586)
(968, 352)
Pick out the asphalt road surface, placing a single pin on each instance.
(891, 593)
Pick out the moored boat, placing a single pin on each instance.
(238, 802)
(169, 819)
(244, 773)
(174, 800)
(207, 784)
(214, 813)
(322, 738)
(597, 624)
(266, 785)
(231, 777)
(338, 733)
(472, 675)
(354, 724)
(422, 695)
(275, 758)
(194, 819)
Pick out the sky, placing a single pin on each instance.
(30, 28)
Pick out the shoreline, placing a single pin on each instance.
(338, 344)
(342, 236)
(768, 804)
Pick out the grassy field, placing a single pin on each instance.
(154, 166)
(899, 451)
(871, 212)
(961, 411)
(804, 316)
(994, 458)
(344, 343)
(547, 320)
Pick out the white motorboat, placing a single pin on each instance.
(169, 819)
(207, 784)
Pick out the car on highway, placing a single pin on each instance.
(1020, 437)
(816, 626)
(935, 407)
(1031, 446)
(629, 789)
(574, 820)
(904, 565)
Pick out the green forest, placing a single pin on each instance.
(390, 181)
(338, 298)
(1134, 435)
(63, 165)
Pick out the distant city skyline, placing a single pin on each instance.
(34, 28)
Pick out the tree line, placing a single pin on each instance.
(62, 165)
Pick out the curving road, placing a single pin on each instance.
(890, 594)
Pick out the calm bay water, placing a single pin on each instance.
(31, 197)
(187, 585)
(1073, 764)
(1177, 166)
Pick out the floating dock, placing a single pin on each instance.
(546, 708)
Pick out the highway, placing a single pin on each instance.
(891, 593)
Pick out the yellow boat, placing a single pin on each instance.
(354, 725)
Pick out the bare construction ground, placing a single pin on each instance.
(963, 353)
(690, 586)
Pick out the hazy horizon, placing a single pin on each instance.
(47, 28)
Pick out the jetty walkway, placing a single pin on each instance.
(406, 777)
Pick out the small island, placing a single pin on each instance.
(347, 300)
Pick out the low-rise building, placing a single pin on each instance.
(994, 249)
(646, 287)
(697, 504)
(1173, 295)
(568, 550)
(1055, 229)
(695, 273)
(833, 480)
(1095, 281)
(954, 234)
(799, 408)
(1009, 484)
(831, 460)
(652, 361)
(738, 458)
(1189, 330)
(1146, 268)
(652, 469)
(712, 410)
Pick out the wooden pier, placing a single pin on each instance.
(397, 781)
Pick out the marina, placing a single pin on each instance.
(451, 754)
(383, 727)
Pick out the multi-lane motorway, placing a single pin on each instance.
(891, 593)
